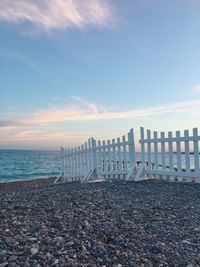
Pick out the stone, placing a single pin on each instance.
(10, 242)
(56, 261)
(13, 258)
(70, 243)
(30, 238)
(34, 251)
(2, 253)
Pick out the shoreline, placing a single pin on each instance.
(35, 181)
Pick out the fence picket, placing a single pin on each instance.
(155, 136)
(187, 153)
(142, 144)
(124, 153)
(196, 149)
(178, 152)
(114, 158)
(163, 152)
(149, 149)
(119, 162)
(131, 148)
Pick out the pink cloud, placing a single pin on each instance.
(56, 14)
(83, 110)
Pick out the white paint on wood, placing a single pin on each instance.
(155, 135)
(196, 149)
(142, 144)
(149, 149)
(163, 152)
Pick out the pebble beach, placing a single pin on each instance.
(149, 223)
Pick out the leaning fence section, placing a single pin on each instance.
(95, 160)
(171, 157)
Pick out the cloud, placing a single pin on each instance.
(196, 88)
(20, 58)
(96, 108)
(82, 110)
(56, 14)
(49, 127)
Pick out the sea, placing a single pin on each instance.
(28, 164)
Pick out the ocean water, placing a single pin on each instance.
(28, 164)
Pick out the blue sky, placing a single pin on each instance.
(71, 69)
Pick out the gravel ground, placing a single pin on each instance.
(120, 224)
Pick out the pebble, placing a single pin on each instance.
(2, 253)
(150, 223)
(56, 261)
(34, 251)
(69, 244)
(13, 258)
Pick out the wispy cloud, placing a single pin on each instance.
(196, 88)
(20, 58)
(56, 14)
(82, 110)
(96, 108)
(52, 125)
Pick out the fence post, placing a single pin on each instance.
(163, 150)
(63, 161)
(114, 158)
(104, 157)
(155, 150)
(187, 153)
(170, 151)
(124, 154)
(100, 159)
(78, 163)
(131, 145)
(142, 145)
(149, 149)
(196, 150)
(178, 151)
(119, 160)
(109, 159)
(70, 164)
(86, 158)
(94, 155)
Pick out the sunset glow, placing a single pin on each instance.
(70, 70)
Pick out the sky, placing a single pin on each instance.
(74, 69)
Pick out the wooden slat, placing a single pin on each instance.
(163, 152)
(187, 152)
(119, 155)
(114, 156)
(178, 151)
(170, 150)
(142, 144)
(149, 149)
(155, 134)
(131, 145)
(196, 150)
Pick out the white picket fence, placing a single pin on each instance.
(174, 158)
(114, 159)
